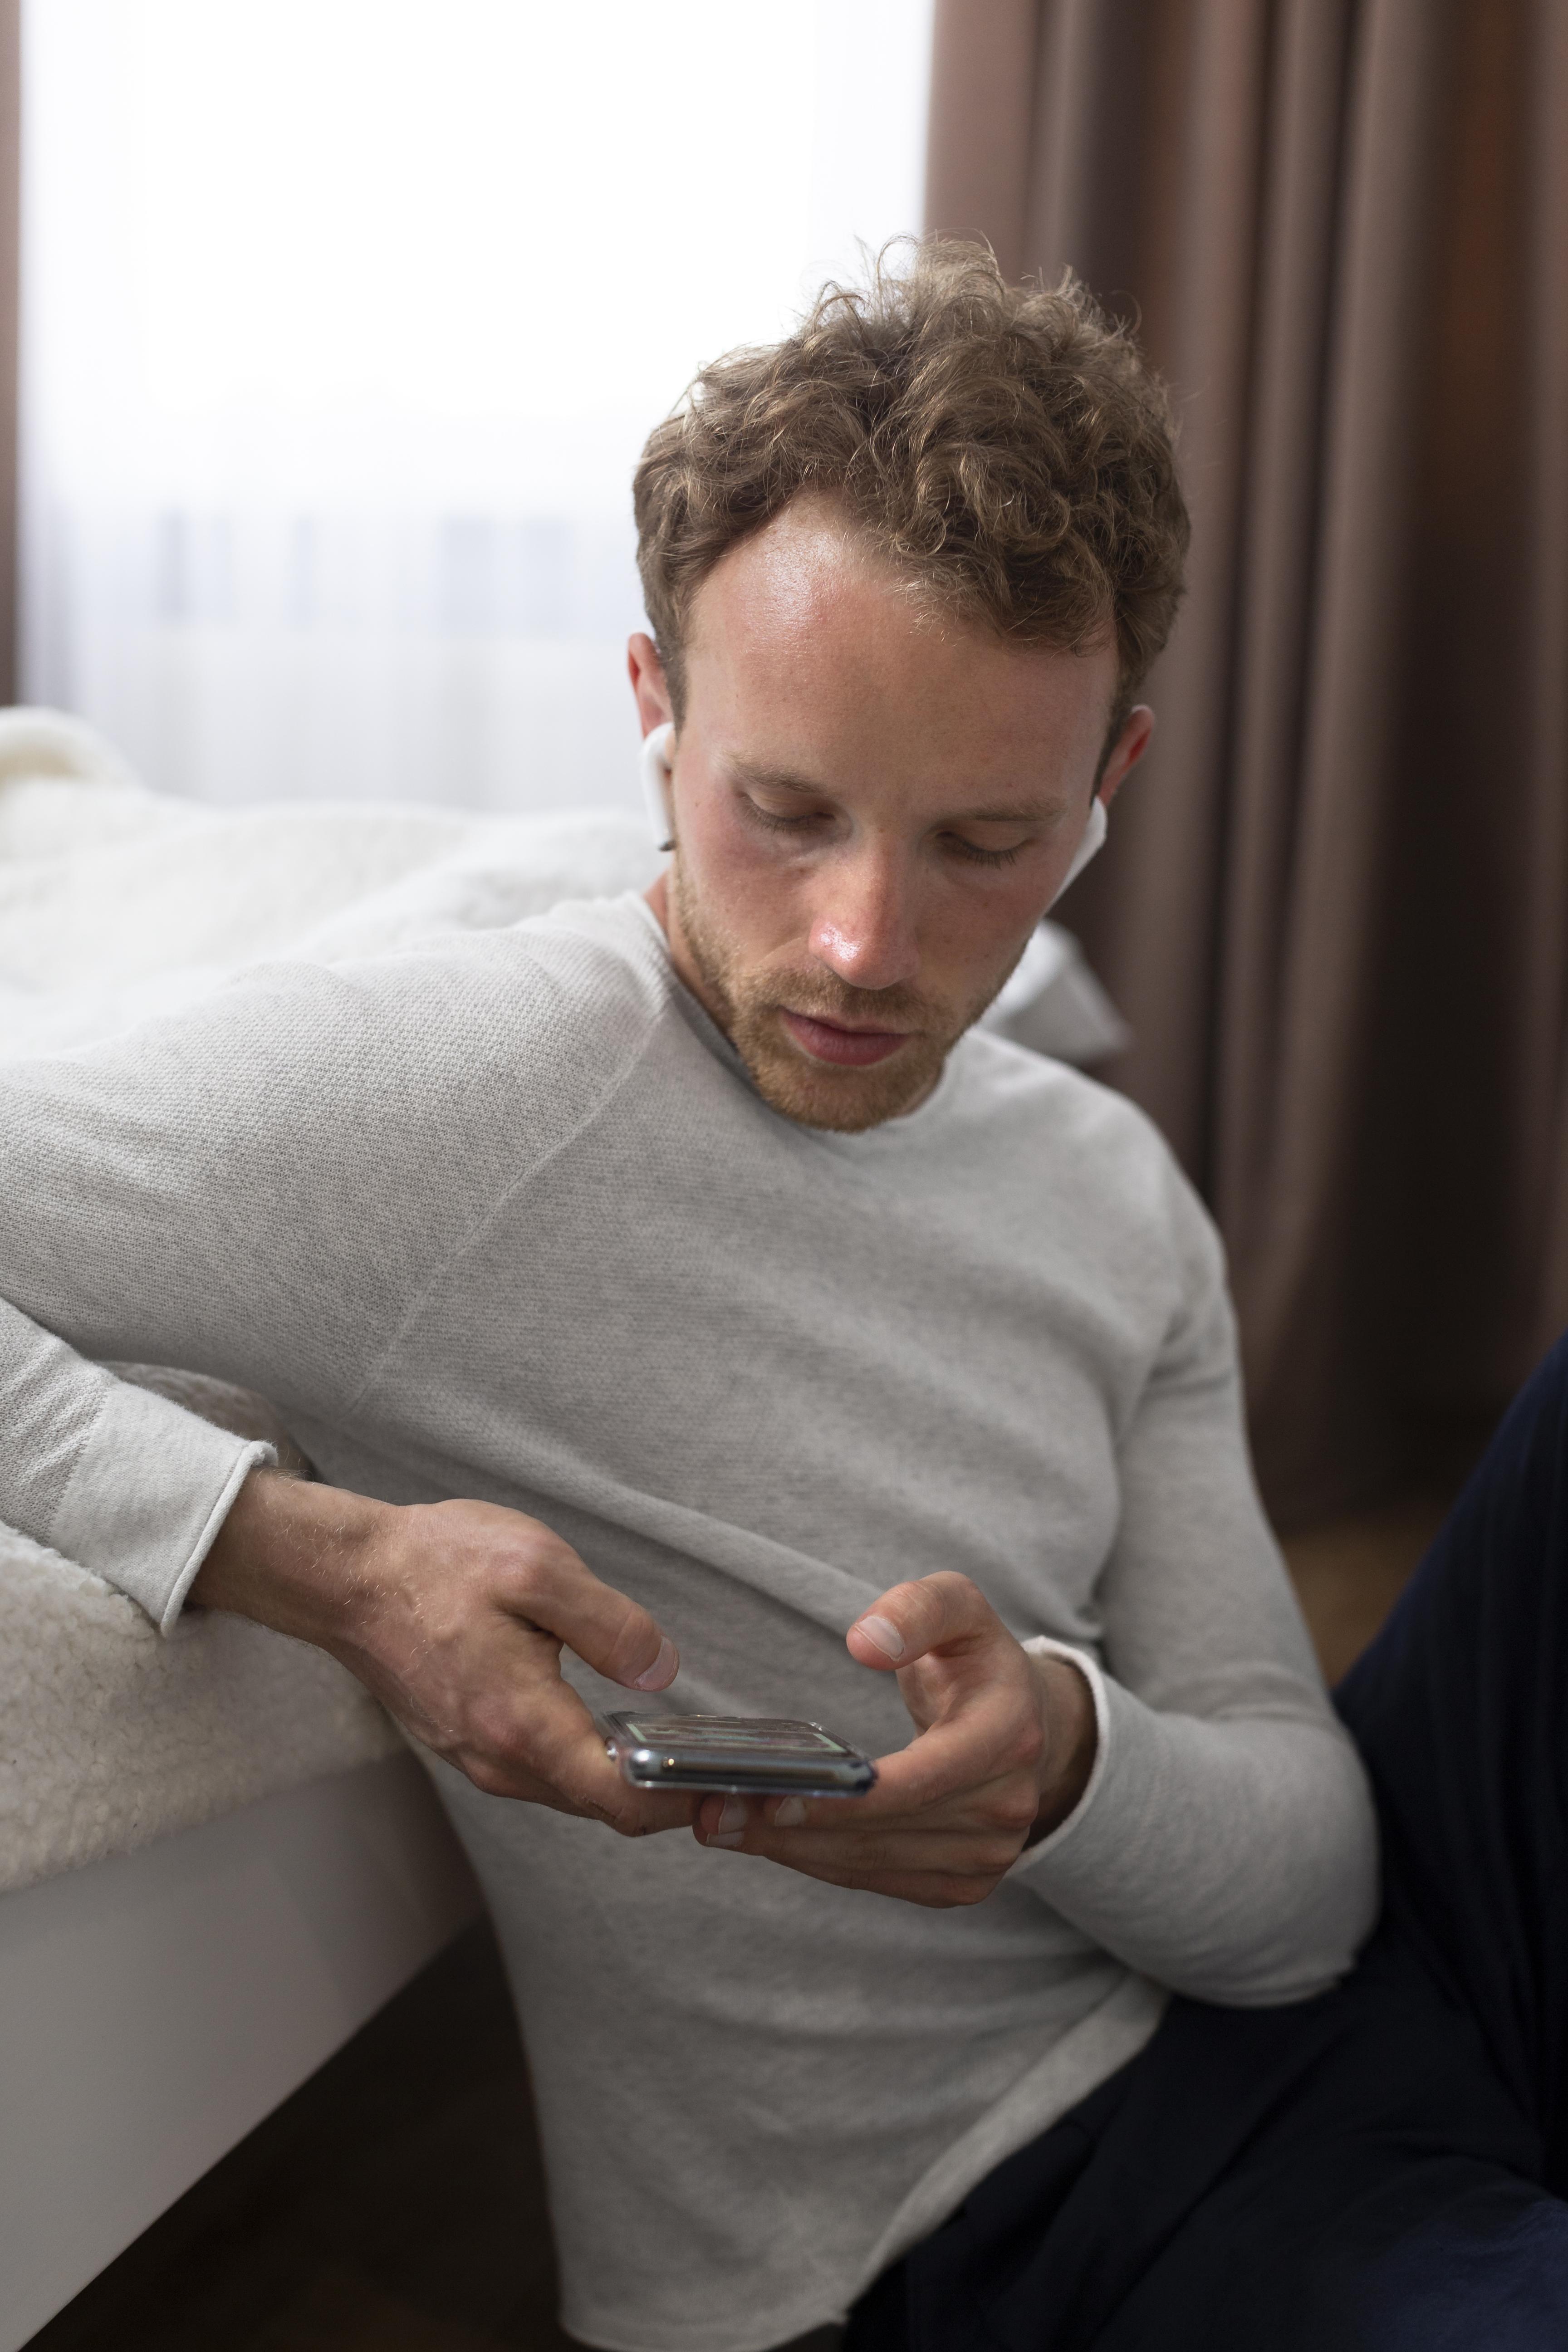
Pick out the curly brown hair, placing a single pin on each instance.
(1005, 446)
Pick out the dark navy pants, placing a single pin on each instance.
(1381, 2170)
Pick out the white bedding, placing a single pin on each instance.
(114, 1736)
(116, 904)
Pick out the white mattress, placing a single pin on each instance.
(114, 1737)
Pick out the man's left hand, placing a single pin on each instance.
(1006, 1747)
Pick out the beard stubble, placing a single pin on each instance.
(846, 1101)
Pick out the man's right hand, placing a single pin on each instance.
(455, 1615)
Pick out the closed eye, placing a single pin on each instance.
(954, 845)
(776, 824)
(971, 853)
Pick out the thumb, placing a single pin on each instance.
(945, 1612)
(607, 1631)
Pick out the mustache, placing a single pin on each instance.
(822, 998)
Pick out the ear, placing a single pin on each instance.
(646, 671)
(1126, 752)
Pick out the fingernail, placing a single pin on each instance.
(733, 1814)
(715, 1838)
(662, 1670)
(790, 1814)
(884, 1633)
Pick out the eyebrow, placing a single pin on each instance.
(782, 780)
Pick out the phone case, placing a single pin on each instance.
(738, 1755)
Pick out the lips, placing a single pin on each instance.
(852, 1049)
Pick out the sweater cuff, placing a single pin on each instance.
(1041, 1645)
(151, 1487)
(1116, 1843)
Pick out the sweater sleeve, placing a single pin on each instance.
(257, 1188)
(182, 1196)
(1225, 1844)
(111, 1475)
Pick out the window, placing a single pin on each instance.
(344, 324)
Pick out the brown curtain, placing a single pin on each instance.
(1335, 903)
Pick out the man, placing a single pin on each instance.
(686, 1288)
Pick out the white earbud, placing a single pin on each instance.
(1091, 845)
(656, 780)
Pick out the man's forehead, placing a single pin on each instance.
(813, 565)
(810, 602)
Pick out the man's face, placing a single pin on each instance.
(873, 805)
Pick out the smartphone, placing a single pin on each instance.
(742, 1755)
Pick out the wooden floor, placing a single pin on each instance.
(394, 2204)
(1349, 1576)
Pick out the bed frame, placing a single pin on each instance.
(154, 2007)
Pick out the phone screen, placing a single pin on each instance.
(729, 1733)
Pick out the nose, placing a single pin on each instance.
(863, 926)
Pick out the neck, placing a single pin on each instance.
(661, 898)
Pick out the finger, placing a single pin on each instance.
(725, 1820)
(1000, 1814)
(579, 1786)
(936, 1780)
(721, 1820)
(633, 1812)
(941, 1613)
(979, 1849)
(559, 1594)
(978, 1745)
(942, 1873)
(968, 1796)
(989, 1744)
(526, 1732)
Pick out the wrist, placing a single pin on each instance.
(1069, 1744)
(292, 1555)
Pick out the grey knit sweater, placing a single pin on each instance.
(505, 1218)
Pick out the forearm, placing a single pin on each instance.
(1232, 1860)
(1228, 1845)
(453, 1614)
(292, 1555)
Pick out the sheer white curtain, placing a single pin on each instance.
(344, 324)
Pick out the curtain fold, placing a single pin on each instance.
(1335, 903)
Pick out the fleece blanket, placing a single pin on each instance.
(116, 903)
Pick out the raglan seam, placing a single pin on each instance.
(487, 1216)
